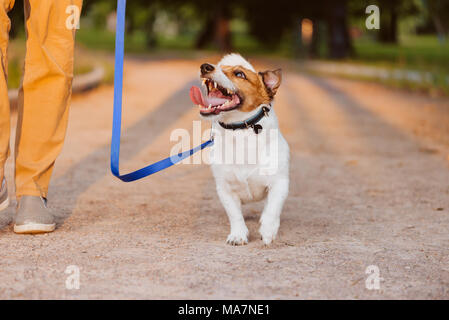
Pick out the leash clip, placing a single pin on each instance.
(257, 128)
(212, 137)
(265, 111)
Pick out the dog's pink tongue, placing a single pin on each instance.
(196, 96)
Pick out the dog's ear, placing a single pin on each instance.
(272, 80)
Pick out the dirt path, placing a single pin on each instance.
(369, 186)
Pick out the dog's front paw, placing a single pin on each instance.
(238, 237)
(268, 232)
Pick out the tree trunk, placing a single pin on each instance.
(216, 30)
(314, 46)
(223, 34)
(17, 19)
(441, 30)
(150, 37)
(339, 40)
(206, 35)
(388, 32)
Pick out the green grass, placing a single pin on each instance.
(436, 88)
(424, 54)
(413, 52)
(14, 74)
(16, 60)
(420, 53)
(103, 40)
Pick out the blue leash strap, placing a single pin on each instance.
(117, 115)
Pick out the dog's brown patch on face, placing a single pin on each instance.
(251, 87)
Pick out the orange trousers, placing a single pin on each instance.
(45, 92)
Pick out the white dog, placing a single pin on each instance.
(250, 157)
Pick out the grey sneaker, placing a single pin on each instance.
(33, 216)
(4, 199)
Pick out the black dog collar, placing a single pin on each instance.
(248, 123)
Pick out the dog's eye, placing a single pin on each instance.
(240, 74)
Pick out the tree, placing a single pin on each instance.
(390, 13)
(268, 22)
(17, 19)
(216, 28)
(439, 13)
(339, 41)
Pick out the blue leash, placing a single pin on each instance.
(117, 118)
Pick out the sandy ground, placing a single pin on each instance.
(369, 186)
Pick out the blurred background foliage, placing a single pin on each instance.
(413, 33)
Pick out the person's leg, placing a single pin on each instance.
(43, 107)
(5, 26)
(45, 93)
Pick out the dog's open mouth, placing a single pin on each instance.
(218, 99)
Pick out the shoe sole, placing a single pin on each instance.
(34, 228)
(4, 205)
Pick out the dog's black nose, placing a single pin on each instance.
(206, 68)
